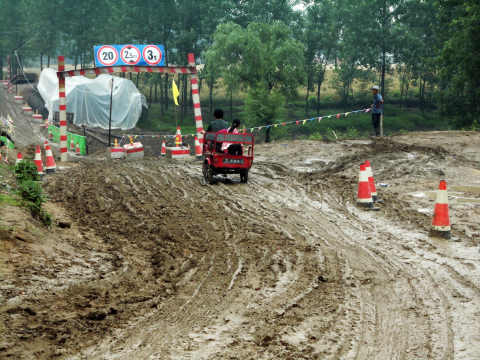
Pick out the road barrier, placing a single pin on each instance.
(10, 145)
(54, 135)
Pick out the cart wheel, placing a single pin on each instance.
(207, 173)
(244, 176)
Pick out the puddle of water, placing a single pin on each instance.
(316, 160)
(303, 169)
(425, 211)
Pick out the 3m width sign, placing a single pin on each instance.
(133, 55)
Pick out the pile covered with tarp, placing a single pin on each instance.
(89, 100)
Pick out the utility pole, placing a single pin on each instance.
(110, 117)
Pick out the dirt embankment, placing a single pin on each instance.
(155, 266)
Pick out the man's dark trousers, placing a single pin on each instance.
(376, 123)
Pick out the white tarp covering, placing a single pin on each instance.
(89, 99)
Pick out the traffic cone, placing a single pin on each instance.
(178, 137)
(371, 181)
(72, 145)
(19, 158)
(38, 160)
(198, 148)
(77, 149)
(364, 196)
(45, 144)
(164, 148)
(50, 135)
(50, 165)
(441, 219)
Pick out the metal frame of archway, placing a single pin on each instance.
(62, 74)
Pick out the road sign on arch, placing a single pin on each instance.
(124, 55)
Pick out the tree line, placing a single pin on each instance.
(269, 48)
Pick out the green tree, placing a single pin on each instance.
(417, 47)
(321, 36)
(460, 59)
(263, 58)
(244, 12)
(13, 30)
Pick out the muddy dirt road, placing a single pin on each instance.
(156, 266)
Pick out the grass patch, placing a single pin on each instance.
(8, 199)
(397, 119)
(28, 191)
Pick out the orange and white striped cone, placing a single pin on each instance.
(19, 158)
(72, 146)
(38, 160)
(164, 148)
(198, 148)
(371, 181)
(364, 195)
(77, 149)
(178, 137)
(441, 218)
(45, 144)
(50, 165)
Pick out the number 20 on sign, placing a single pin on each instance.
(133, 55)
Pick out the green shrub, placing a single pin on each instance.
(316, 136)
(30, 190)
(33, 197)
(26, 171)
(351, 133)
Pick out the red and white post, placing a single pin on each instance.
(197, 109)
(62, 110)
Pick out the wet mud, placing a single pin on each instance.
(152, 265)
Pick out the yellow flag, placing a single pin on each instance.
(175, 92)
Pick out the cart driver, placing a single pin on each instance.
(217, 124)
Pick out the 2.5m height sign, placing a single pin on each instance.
(132, 55)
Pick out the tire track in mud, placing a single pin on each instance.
(420, 251)
(430, 350)
(249, 270)
(279, 268)
(391, 267)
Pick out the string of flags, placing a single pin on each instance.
(304, 121)
(258, 128)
